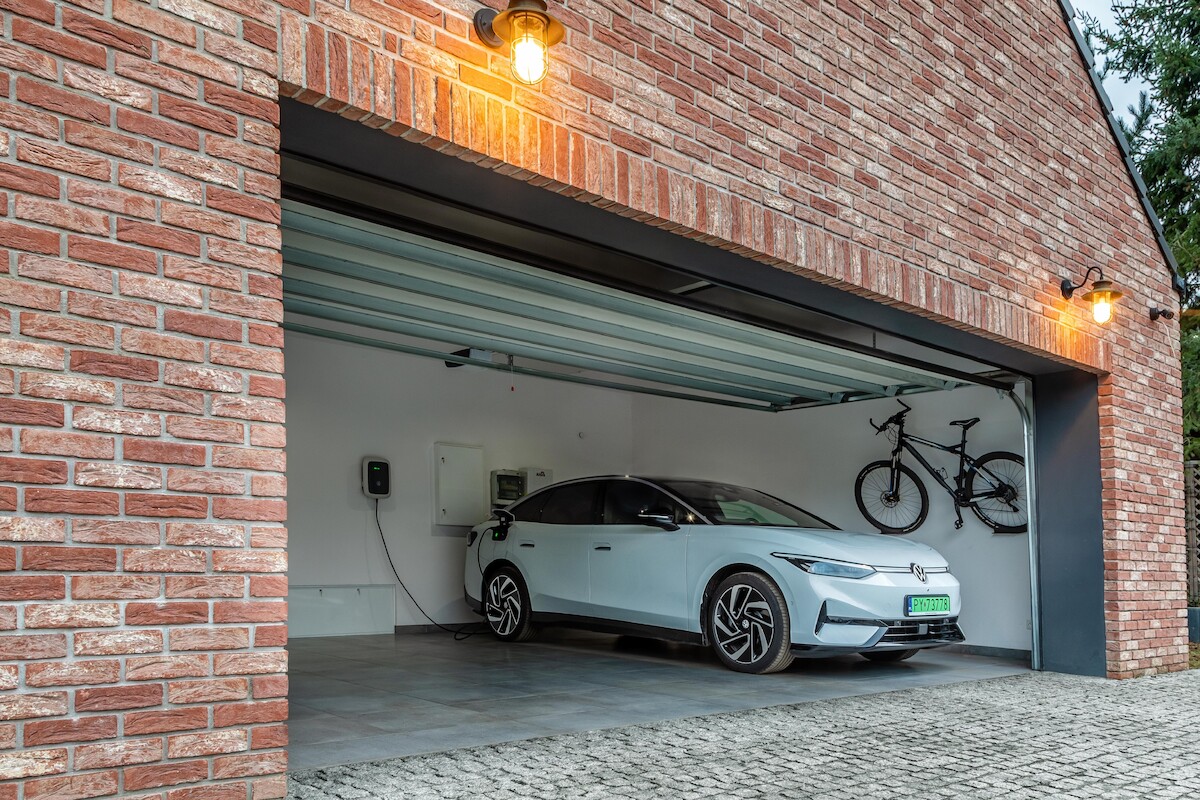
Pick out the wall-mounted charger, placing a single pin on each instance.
(376, 477)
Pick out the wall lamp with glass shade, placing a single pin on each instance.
(1102, 295)
(530, 32)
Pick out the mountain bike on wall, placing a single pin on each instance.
(893, 499)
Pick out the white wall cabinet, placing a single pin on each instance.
(460, 485)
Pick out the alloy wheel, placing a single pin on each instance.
(503, 605)
(743, 625)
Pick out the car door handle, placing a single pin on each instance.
(601, 546)
(527, 544)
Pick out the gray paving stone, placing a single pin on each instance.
(1035, 735)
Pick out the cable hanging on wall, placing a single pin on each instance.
(461, 632)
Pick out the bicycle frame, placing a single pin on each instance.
(904, 442)
(957, 491)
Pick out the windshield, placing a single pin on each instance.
(737, 505)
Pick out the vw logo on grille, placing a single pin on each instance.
(917, 570)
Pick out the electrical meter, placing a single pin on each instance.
(507, 485)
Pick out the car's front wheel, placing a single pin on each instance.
(506, 606)
(748, 624)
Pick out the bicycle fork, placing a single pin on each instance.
(893, 494)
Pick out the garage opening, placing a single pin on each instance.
(474, 373)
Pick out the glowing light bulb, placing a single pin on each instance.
(530, 52)
(1102, 297)
(529, 62)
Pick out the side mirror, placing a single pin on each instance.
(664, 521)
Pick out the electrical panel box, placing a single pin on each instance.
(508, 485)
(459, 485)
(376, 477)
(536, 478)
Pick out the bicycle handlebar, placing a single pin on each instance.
(894, 419)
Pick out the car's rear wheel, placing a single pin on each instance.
(506, 606)
(748, 624)
(888, 656)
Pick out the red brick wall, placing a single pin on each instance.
(945, 158)
(141, 469)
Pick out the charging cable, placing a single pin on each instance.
(461, 632)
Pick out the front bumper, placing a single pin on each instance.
(854, 615)
(882, 634)
(908, 633)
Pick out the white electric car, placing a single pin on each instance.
(760, 580)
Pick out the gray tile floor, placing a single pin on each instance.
(364, 698)
(1036, 736)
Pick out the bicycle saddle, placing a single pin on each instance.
(965, 423)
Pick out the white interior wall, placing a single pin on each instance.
(346, 401)
(811, 457)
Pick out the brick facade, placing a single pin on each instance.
(141, 478)
(946, 158)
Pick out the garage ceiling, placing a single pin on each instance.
(359, 281)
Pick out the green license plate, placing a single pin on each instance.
(921, 605)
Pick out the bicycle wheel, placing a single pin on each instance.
(901, 511)
(999, 495)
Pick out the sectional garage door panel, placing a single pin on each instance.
(350, 272)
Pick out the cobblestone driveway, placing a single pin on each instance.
(1038, 735)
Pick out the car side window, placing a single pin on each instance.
(746, 511)
(530, 510)
(573, 504)
(624, 500)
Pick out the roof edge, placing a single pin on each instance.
(1139, 185)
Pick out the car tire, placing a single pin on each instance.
(748, 624)
(506, 606)
(888, 656)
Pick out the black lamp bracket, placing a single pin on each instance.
(483, 27)
(1068, 288)
(494, 28)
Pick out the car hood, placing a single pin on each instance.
(874, 549)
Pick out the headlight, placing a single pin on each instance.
(831, 569)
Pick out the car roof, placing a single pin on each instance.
(648, 478)
(663, 485)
